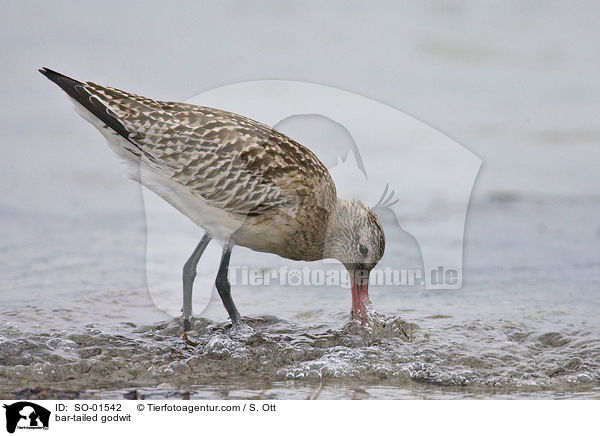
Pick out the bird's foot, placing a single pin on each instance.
(240, 328)
(187, 326)
(188, 341)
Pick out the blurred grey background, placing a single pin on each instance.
(516, 82)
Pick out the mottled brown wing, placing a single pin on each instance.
(231, 161)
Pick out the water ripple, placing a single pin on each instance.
(389, 351)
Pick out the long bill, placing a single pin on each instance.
(359, 282)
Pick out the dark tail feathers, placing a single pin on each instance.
(76, 90)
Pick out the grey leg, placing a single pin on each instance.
(223, 286)
(189, 274)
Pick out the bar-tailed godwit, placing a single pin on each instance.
(243, 182)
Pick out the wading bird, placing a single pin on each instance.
(243, 182)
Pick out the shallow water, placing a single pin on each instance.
(273, 358)
(505, 334)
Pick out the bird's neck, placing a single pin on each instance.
(337, 229)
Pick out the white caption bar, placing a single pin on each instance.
(264, 417)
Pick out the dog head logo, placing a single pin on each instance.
(26, 415)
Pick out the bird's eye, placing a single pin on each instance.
(363, 250)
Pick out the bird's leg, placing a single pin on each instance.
(189, 273)
(222, 283)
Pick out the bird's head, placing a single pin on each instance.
(355, 238)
